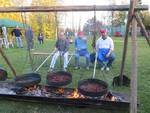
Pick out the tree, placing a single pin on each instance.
(44, 22)
(146, 19)
(119, 18)
(91, 27)
(12, 16)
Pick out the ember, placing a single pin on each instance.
(54, 92)
(60, 90)
(64, 96)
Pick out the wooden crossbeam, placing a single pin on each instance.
(70, 8)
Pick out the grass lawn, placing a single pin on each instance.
(19, 59)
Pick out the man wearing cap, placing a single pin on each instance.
(105, 48)
(62, 47)
(81, 50)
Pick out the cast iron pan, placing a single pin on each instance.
(27, 79)
(59, 78)
(3, 75)
(92, 87)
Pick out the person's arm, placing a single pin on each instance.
(75, 44)
(67, 46)
(12, 32)
(32, 35)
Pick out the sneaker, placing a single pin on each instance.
(102, 69)
(107, 68)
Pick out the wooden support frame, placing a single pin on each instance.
(130, 17)
(132, 8)
(70, 8)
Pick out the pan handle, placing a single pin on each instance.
(8, 62)
(95, 65)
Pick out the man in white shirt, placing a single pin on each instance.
(105, 48)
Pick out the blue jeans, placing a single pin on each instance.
(19, 42)
(111, 58)
(84, 53)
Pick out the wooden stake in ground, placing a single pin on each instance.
(133, 85)
(130, 16)
(139, 20)
(7, 61)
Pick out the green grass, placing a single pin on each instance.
(19, 59)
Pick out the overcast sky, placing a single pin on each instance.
(72, 19)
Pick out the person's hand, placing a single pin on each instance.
(62, 53)
(107, 55)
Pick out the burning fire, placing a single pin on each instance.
(31, 88)
(75, 94)
(113, 98)
(60, 90)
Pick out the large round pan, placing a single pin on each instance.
(59, 78)
(3, 74)
(92, 87)
(27, 79)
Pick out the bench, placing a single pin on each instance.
(44, 56)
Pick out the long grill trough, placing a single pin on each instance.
(63, 96)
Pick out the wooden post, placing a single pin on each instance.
(31, 59)
(133, 85)
(138, 19)
(7, 61)
(94, 35)
(130, 16)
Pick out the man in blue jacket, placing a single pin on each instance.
(18, 35)
(81, 50)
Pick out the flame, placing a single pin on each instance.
(60, 90)
(113, 98)
(75, 94)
